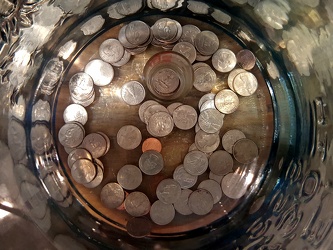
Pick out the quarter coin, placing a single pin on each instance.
(206, 42)
(129, 177)
(226, 101)
(213, 188)
(133, 92)
(195, 162)
(221, 162)
(75, 113)
(245, 151)
(224, 60)
(101, 72)
(185, 117)
(111, 50)
(83, 171)
(211, 120)
(181, 204)
(168, 191)
(184, 179)
(161, 213)
(112, 195)
(200, 202)
(137, 204)
(151, 162)
(230, 138)
(129, 137)
(205, 142)
(245, 84)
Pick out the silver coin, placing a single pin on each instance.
(226, 101)
(205, 142)
(101, 72)
(133, 92)
(200, 202)
(113, 13)
(171, 107)
(199, 65)
(181, 205)
(211, 121)
(112, 195)
(187, 50)
(165, 81)
(197, 128)
(234, 185)
(75, 113)
(165, 29)
(185, 117)
(129, 177)
(230, 138)
(137, 32)
(204, 79)
(83, 171)
(224, 60)
(81, 86)
(245, 151)
(96, 144)
(41, 111)
(129, 137)
(93, 25)
(152, 109)
(195, 162)
(71, 134)
(41, 139)
(168, 191)
(192, 147)
(97, 180)
(162, 214)
(85, 102)
(163, 5)
(213, 188)
(206, 97)
(143, 108)
(151, 162)
(184, 179)
(221, 162)
(202, 58)
(210, 104)
(98, 162)
(123, 39)
(215, 177)
(137, 204)
(76, 154)
(125, 59)
(232, 76)
(245, 84)
(160, 124)
(128, 7)
(189, 33)
(206, 42)
(111, 50)
(108, 142)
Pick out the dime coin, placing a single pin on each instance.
(187, 50)
(75, 113)
(161, 213)
(195, 162)
(111, 50)
(129, 137)
(165, 81)
(71, 134)
(206, 42)
(221, 162)
(204, 79)
(76, 154)
(160, 124)
(232, 76)
(97, 180)
(224, 60)
(245, 84)
(230, 138)
(245, 151)
(138, 227)
(226, 101)
(151, 162)
(211, 120)
(83, 171)
(112, 195)
(133, 93)
(213, 188)
(246, 59)
(189, 33)
(205, 142)
(168, 191)
(200, 202)
(181, 204)
(151, 144)
(143, 108)
(184, 179)
(234, 185)
(101, 72)
(96, 144)
(185, 117)
(137, 204)
(129, 177)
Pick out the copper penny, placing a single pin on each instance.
(151, 144)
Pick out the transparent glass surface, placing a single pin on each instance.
(287, 198)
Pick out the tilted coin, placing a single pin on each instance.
(230, 138)
(171, 107)
(187, 50)
(168, 191)
(76, 154)
(231, 77)
(160, 124)
(161, 213)
(143, 108)
(185, 179)
(85, 102)
(129, 177)
(190, 31)
(205, 142)
(123, 39)
(234, 185)
(112, 195)
(129, 137)
(210, 104)
(111, 50)
(41, 138)
(133, 92)
(75, 113)
(96, 144)
(215, 177)
(151, 144)
(98, 178)
(137, 32)
(152, 109)
(98, 162)
(107, 140)
(71, 134)
(211, 120)
(81, 86)
(181, 204)
(246, 59)
(224, 60)
(245, 84)
(206, 42)
(151, 162)
(200, 202)
(83, 171)
(202, 58)
(245, 151)
(138, 227)
(213, 188)
(195, 162)
(125, 59)
(137, 204)
(101, 72)
(204, 79)
(165, 81)
(206, 97)
(226, 101)
(221, 162)
(185, 117)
